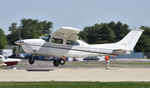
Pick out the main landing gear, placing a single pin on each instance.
(58, 61)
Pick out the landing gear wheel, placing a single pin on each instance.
(31, 60)
(62, 61)
(56, 63)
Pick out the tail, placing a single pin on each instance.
(130, 40)
(124, 46)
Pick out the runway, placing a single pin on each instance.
(77, 74)
(77, 71)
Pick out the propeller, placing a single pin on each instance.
(18, 42)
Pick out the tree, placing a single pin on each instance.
(3, 39)
(104, 32)
(113, 32)
(13, 27)
(120, 29)
(143, 44)
(14, 35)
(107, 33)
(29, 29)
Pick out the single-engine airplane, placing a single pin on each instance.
(65, 43)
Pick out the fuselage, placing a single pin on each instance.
(65, 43)
(41, 47)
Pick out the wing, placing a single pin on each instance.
(67, 33)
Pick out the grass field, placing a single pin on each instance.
(53, 84)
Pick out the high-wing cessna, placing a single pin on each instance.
(65, 43)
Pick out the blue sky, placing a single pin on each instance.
(75, 13)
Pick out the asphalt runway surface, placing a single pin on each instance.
(45, 71)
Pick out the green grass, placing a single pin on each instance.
(53, 84)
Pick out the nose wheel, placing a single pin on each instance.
(31, 59)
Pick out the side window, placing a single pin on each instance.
(70, 42)
(56, 40)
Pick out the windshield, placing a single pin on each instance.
(45, 37)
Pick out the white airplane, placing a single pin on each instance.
(65, 43)
(8, 61)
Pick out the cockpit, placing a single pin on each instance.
(48, 38)
(65, 36)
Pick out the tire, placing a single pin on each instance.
(31, 60)
(62, 61)
(55, 63)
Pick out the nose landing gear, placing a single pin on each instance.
(31, 59)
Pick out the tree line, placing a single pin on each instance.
(95, 34)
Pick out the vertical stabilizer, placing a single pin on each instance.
(130, 40)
